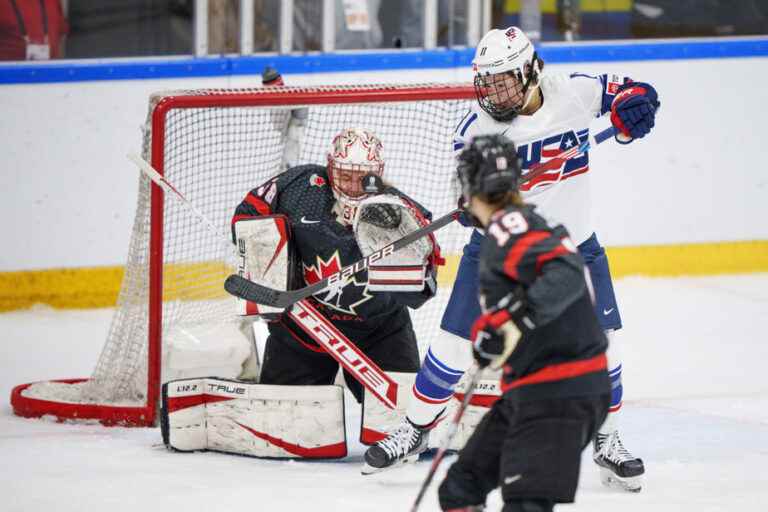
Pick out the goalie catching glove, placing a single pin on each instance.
(496, 333)
(381, 220)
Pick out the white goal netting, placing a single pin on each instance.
(216, 145)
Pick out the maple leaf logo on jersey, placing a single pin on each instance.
(316, 181)
(336, 298)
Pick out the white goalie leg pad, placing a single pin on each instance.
(265, 256)
(284, 422)
(487, 391)
(378, 420)
(379, 221)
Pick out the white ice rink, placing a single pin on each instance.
(696, 410)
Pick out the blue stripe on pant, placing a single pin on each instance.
(435, 381)
(464, 306)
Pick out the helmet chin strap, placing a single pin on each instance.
(528, 97)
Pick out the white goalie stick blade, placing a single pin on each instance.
(348, 355)
(241, 287)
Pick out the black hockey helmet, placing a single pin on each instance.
(489, 168)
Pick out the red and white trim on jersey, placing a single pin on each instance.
(518, 250)
(556, 372)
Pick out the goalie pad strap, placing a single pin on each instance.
(253, 419)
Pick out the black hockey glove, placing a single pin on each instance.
(495, 334)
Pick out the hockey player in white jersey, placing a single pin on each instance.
(544, 115)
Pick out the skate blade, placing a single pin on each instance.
(629, 484)
(370, 470)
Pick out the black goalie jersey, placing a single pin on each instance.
(323, 247)
(564, 355)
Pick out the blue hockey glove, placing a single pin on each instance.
(633, 111)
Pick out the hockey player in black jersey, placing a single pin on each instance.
(538, 324)
(320, 203)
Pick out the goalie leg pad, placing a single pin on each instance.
(230, 416)
(487, 392)
(378, 419)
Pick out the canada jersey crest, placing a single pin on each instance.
(346, 298)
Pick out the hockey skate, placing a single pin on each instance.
(401, 446)
(618, 468)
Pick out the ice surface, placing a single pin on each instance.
(696, 410)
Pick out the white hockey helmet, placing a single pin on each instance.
(507, 72)
(355, 153)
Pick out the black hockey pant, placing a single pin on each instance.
(531, 449)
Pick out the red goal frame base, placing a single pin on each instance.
(107, 415)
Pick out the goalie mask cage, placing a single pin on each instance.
(215, 145)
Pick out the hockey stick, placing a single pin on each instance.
(248, 290)
(341, 348)
(241, 287)
(164, 184)
(474, 378)
(344, 351)
(557, 161)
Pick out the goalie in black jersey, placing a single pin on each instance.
(335, 215)
(538, 324)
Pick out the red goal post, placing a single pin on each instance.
(214, 145)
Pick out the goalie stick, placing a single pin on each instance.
(338, 346)
(248, 290)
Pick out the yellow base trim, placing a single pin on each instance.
(550, 6)
(97, 287)
(689, 259)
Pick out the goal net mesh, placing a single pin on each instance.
(216, 148)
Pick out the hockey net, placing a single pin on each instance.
(214, 146)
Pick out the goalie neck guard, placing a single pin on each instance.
(507, 73)
(354, 154)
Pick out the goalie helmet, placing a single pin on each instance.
(355, 153)
(507, 72)
(489, 168)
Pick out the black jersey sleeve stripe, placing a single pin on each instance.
(516, 253)
(560, 250)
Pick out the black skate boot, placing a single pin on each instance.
(618, 468)
(402, 445)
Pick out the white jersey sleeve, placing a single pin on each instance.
(596, 93)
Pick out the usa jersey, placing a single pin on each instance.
(564, 354)
(570, 104)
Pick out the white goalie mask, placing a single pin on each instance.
(507, 72)
(354, 154)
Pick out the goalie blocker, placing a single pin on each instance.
(265, 255)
